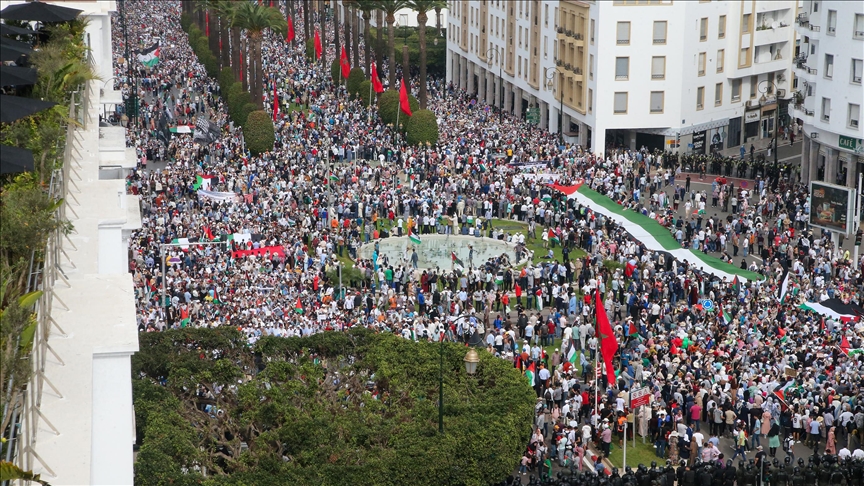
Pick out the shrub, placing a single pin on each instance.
(364, 90)
(259, 132)
(243, 113)
(226, 80)
(422, 127)
(310, 49)
(388, 107)
(336, 71)
(194, 34)
(185, 22)
(355, 78)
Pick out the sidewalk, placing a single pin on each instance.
(761, 146)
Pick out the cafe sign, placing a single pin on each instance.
(851, 143)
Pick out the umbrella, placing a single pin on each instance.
(40, 12)
(11, 50)
(17, 76)
(14, 160)
(12, 30)
(15, 107)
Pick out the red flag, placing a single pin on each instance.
(289, 37)
(844, 345)
(343, 62)
(608, 343)
(318, 49)
(403, 98)
(207, 23)
(275, 102)
(208, 233)
(376, 82)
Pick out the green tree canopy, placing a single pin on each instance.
(388, 106)
(422, 127)
(334, 408)
(258, 131)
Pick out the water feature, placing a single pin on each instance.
(434, 250)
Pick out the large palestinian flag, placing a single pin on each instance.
(835, 309)
(652, 234)
(149, 57)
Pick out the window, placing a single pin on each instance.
(853, 116)
(620, 102)
(658, 67)
(826, 109)
(546, 15)
(590, 100)
(736, 90)
(700, 97)
(657, 102)
(701, 64)
(659, 31)
(856, 70)
(815, 7)
(545, 47)
(718, 94)
(829, 66)
(591, 66)
(703, 29)
(721, 58)
(754, 83)
(519, 63)
(859, 27)
(745, 23)
(622, 68)
(592, 31)
(623, 33)
(744, 57)
(721, 27)
(832, 22)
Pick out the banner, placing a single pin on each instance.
(271, 250)
(218, 196)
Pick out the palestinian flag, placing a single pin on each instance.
(208, 234)
(736, 286)
(202, 181)
(216, 299)
(784, 285)
(572, 355)
(632, 329)
(530, 373)
(298, 307)
(853, 352)
(547, 198)
(457, 263)
(149, 57)
(727, 317)
(781, 333)
(184, 318)
(780, 391)
(630, 268)
(499, 279)
(835, 309)
(553, 238)
(413, 237)
(182, 242)
(844, 345)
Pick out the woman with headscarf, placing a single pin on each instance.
(831, 444)
(773, 438)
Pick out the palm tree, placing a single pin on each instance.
(209, 8)
(322, 18)
(390, 7)
(224, 10)
(355, 33)
(346, 21)
(367, 6)
(422, 7)
(255, 19)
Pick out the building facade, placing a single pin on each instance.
(829, 94)
(695, 75)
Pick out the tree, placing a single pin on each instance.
(389, 110)
(422, 7)
(364, 91)
(355, 77)
(389, 7)
(255, 19)
(367, 6)
(334, 408)
(422, 128)
(259, 132)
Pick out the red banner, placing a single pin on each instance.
(272, 250)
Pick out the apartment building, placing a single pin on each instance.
(829, 94)
(686, 76)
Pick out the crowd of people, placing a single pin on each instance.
(760, 371)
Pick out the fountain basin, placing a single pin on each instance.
(435, 250)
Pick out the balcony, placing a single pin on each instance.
(767, 35)
(803, 20)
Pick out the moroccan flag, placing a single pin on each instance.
(530, 373)
(202, 181)
(289, 37)
(318, 49)
(457, 262)
(403, 98)
(376, 82)
(413, 237)
(298, 307)
(608, 343)
(629, 269)
(344, 64)
(275, 102)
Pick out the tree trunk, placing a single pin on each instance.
(244, 64)
(199, 19)
(438, 21)
(305, 7)
(346, 22)
(258, 80)
(391, 48)
(224, 42)
(421, 35)
(235, 52)
(367, 38)
(213, 39)
(321, 22)
(355, 32)
(337, 42)
(379, 47)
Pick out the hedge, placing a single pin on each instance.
(226, 80)
(355, 78)
(310, 49)
(243, 113)
(364, 90)
(259, 132)
(336, 71)
(388, 107)
(422, 127)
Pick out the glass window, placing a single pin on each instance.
(826, 109)
(657, 102)
(703, 29)
(700, 97)
(745, 23)
(854, 115)
(658, 67)
(659, 31)
(856, 70)
(721, 27)
(718, 94)
(829, 66)
(736, 89)
(701, 64)
(623, 32)
(621, 102)
(721, 58)
(622, 68)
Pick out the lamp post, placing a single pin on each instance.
(550, 77)
(472, 359)
(765, 90)
(500, 78)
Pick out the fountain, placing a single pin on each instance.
(435, 250)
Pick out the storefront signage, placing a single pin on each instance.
(850, 143)
(751, 116)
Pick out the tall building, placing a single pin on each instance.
(829, 96)
(693, 75)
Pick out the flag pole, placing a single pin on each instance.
(596, 361)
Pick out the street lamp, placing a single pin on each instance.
(500, 78)
(550, 77)
(765, 91)
(472, 359)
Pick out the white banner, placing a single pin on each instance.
(218, 196)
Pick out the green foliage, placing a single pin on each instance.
(310, 49)
(226, 80)
(436, 55)
(259, 132)
(185, 22)
(388, 107)
(355, 77)
(237, 99)
(243, 113)
(422, 128)
(302, 427)
(10, 472)
(364, 91)
(336, 71)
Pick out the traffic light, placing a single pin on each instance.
(131, 106)
(858, 238)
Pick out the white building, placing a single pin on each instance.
(829, 96)
(695, 71)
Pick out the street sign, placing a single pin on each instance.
(533, 115)
(639, 397)
(708, 304)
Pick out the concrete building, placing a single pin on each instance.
(829, 95)
(701, 74)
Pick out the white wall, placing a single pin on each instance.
(111, 455)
